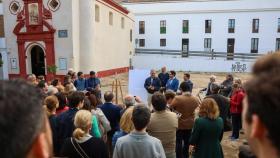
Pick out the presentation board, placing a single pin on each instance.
(136, 80)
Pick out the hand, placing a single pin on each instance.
(191, 149)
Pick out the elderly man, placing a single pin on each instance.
(164, 77)
(261, 107)
(129, 101)
(25, 129)
(152, 85)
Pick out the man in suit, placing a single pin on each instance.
(173, 82)
(164, 77)
(185, 105)
(65, 120)
(113, 114)
(152, 84)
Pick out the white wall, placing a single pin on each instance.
(11, 40)
(62, 20)
(112, 43)
(187, 64)
(243, 11)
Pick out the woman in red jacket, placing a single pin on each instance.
(236, 109)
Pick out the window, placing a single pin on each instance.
(130, 35)
(207, 44)
(208, 24)
(141, 42)
(256, 23)
(231, 25)
(163, 42)
(162, 27)
(2, 34)
(141, 27)
(110, 18)
(254, 45)
(122, 21)
(54, 5)
(185, 26)
(278, 44)
(279, 25)
(97, 13)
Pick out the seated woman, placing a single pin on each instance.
(126, 126)
(207, 132)
(82, 144)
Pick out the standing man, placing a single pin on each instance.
(227, 86)
(80, 83)
(163, 76)
(65, 120)
(138, 143)
(113, 114)
(187, 80)
(261, 107)
(93, 83)
(173, 82)
(152, 85)
(184, 104)
(222, 102)
(163, 125)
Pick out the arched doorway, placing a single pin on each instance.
(38, 61)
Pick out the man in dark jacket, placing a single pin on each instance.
(223, 103)
(152, 84)
(227, 86)
(65, 121)
(113, 114)
(187, 81)
(164, 77)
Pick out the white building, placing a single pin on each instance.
(3, 53)
(224, 26)
(81, 34)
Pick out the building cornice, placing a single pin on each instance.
(208, 11)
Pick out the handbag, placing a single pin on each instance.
(78, 149)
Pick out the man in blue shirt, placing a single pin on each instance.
(80, 83)
(152, 84)
(163, 76)
(93, 83)
(173, 82)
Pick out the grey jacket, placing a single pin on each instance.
(138, 145)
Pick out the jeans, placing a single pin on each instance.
(236, 125)
(182, 143)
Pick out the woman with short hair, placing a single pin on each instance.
(82, 144)
(207, 132)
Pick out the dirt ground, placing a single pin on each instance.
(200, 81)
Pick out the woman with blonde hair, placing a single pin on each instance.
(207, 132)
(126, 126)
(82, 144)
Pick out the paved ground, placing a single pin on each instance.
(200, 81)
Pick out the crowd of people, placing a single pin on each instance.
(70, 119)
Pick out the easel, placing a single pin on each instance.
(116, 86)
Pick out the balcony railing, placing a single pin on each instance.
(207, 54)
